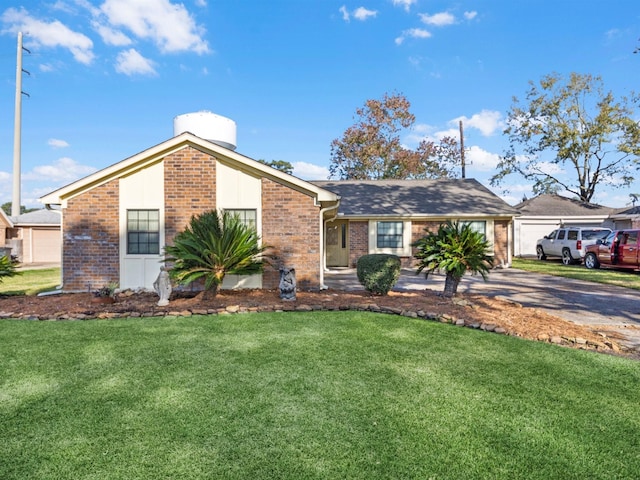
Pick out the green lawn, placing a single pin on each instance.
(31, 282)
(622, 278)
(317, 395)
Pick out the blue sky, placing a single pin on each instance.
(108, 76)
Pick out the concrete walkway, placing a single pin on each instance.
(584, 303)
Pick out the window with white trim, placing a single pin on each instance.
(389, 234)
(143, 232)
(247, 216)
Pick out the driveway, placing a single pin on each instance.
(608, 307)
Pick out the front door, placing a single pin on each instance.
(337, 244)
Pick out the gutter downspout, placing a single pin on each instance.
(59, 212)
(323, 259)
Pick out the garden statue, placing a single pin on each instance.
(288, 283)
(162, 286)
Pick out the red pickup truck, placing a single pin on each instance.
(619, 249)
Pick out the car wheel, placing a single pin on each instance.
(567, 259)
(591, 261)
(540, 253)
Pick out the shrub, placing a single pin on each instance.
(7, 267)
(378, 273)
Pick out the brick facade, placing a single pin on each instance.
(189, 188)
(358, 240)
(290, 224)
(91, 242)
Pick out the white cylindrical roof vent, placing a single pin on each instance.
(215, 128)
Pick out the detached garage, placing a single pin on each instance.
(36, 237)
(541, 215)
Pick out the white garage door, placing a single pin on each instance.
(529, 235)
(46, 245)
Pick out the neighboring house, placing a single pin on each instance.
(117, 221)
(38, 232)
(624, 218)
(387, 216)
(540, 215)
(33, 237)
(5, 230)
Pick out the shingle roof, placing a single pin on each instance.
(37, 217)
(437, 198)
(556, 205)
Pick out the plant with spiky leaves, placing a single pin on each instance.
(213, 245)
(454, 249)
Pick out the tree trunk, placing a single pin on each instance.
(451, 285)
(207, 294)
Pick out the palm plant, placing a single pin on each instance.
(212, 246)
(454, 249)
(7, 267)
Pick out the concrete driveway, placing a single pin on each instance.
(608, 307)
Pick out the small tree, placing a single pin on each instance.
(212, 246)
(454, 249)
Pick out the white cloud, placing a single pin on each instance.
(550, 168)
(111, 36)
(487, 121)
(309, 171)
(5, 177)
(201, 3)
(480, 159)
(57, 143)
(345, 13)
(130, 62)
(170, 26)
(470, 15)
(39, 34)
(359, 13)
(412, 33)
(62, 170)
(363, 14)
(406, 4)
(438, 19)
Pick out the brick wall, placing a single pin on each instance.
(500, 237)
(91, 239)
(290, 224)
(358, 240)
(189, 188)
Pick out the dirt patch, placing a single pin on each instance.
(475, 311)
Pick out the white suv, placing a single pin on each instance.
(569, 243)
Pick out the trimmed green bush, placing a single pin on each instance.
(379, 272)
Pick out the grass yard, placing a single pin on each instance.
(621, 278)
(31, 282)
(316, 395)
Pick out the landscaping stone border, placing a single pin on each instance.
(607, 345)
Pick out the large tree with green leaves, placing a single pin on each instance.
(454, 249)
(372, 149)
(213, 245)
(570, 135)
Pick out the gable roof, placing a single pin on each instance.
(548, 205)
(4, 218)
(157, 153)
(37, 217)
(412, 198)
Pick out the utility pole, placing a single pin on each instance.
(462, 149)
(17, 131)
